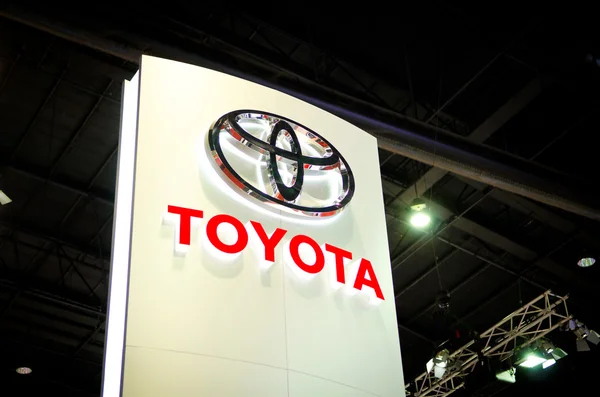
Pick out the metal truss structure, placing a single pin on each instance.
(531, 322)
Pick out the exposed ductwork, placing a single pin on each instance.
(395, 133)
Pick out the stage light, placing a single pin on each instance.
(542, 352)
(552, 352)
(583, 335)
(558, 353)
(439, 363)
(532, 360)
(507, 376)
(4, 199)
(419, 214)
(548, 363)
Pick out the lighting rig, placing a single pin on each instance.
(520, 334)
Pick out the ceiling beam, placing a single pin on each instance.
(65, 303)
(108, 199)
(534, 210)
(485, 130)
(37, 234)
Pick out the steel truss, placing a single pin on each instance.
(531, 322)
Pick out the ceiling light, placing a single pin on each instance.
(586, 262)
(4, 199)
(418, 204)
(24, 370)
(419, 215)
(443, 300)
(420, 219)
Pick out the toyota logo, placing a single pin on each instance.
(281, 163)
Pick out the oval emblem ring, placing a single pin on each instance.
(281, 163)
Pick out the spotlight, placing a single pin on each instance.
(419, 214)
(584, 335)
(548, 363)
(532, 360)
(443, 300)
(441, 359)
(552, 352)
(541, 352)
(507, 376)
(439, 363)
(4, 199)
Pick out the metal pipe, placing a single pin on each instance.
(496, 174)
(61, 301)
(395, 133)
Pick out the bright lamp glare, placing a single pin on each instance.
(420, 219)
(507, 376)
(4, 199)
(548, 363)
(532, 360)
(24, 370)
(586, 262)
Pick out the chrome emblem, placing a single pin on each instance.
(281, 163)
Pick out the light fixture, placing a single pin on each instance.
(583, 334)
(586, 262)
(552, 352)
(507, 376)
(541, 352)
(24, 370)
(531, 356)
(439, 363)
(443, 300)
(532, 360)
(548, 363)
(4, 199)
(419, 215)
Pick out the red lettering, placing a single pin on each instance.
(339, 254)
(185, 221)
(319, 260)
(270, 243)
(365, 268)
(365, 276)
(213, 237)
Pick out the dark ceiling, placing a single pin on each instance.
(522, 82)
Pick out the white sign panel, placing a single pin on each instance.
(250, 251)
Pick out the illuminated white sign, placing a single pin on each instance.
(279, 233)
